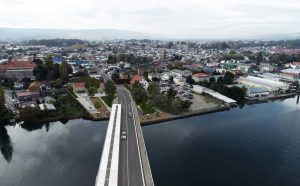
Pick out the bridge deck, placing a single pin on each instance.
(124, 162)
(108, 169)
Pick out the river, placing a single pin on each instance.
(253, 145)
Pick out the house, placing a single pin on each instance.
(79, 87)
(17, 69)
(267, 67)
(295, 65)
(49, 106)
(135, 78)
(290, 74)
(200, 77)
(140, 80)
(230, 66)
(179, 80)
(244, 68)
(177, 72)
(27, 96)
(257, 92)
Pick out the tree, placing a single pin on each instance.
(228, 78)
(56, 71)
(5, 115)
(155, 79)
(112, 59)
(48, 65)
(2, 101)
(220, 80)
(92, 82)
(259, 58)
(212, 79)
(92, 91)
(110, 89)
(115, 77)
(28, 114)
(63, 71)
(138, 92)
(190, 80)
(171, 93)
(40, 73)
(153, 90)
(38, 61)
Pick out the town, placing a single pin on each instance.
(62, 79)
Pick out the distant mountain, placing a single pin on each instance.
(276, 37)
(21, 34)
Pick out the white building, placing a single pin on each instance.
(290, 74)
(179, 80)
(270, 85)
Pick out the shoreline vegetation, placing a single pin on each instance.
(68, 109)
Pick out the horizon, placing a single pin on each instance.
(190, 19)
(144, 35)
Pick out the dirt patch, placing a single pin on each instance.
(101, 108)
(154, 116)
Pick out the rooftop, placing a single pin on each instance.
(291, 71)
(79, 85)
(200, 75)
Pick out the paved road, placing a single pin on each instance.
(130, 171)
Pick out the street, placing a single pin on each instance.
(130, 170)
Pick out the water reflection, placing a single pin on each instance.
(5, 144)
(37, 126)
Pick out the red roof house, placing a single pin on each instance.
(135, 78)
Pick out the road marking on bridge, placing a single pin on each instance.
(142, 171)
(126, 112)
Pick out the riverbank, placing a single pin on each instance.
(257, 100)
(157, 118)
(185, 115)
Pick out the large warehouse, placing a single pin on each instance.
(270, 85)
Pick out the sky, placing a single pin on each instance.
(205, 19)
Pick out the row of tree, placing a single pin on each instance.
(152, 96)
(48, 71)
(110, 90)
(130, 58)
(5, 115)
(219, 85)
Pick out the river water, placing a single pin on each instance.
(253, 145)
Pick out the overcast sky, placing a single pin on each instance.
(172, 18)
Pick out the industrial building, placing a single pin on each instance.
(270, 85)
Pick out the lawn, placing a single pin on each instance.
(68, 106)
(147, 108)
(107, 101)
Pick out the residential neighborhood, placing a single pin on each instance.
(36, 76)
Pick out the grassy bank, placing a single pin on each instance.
(147, 108)
(107, 101)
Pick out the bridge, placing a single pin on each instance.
(124, 162)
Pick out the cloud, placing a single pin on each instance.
(179, 19)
